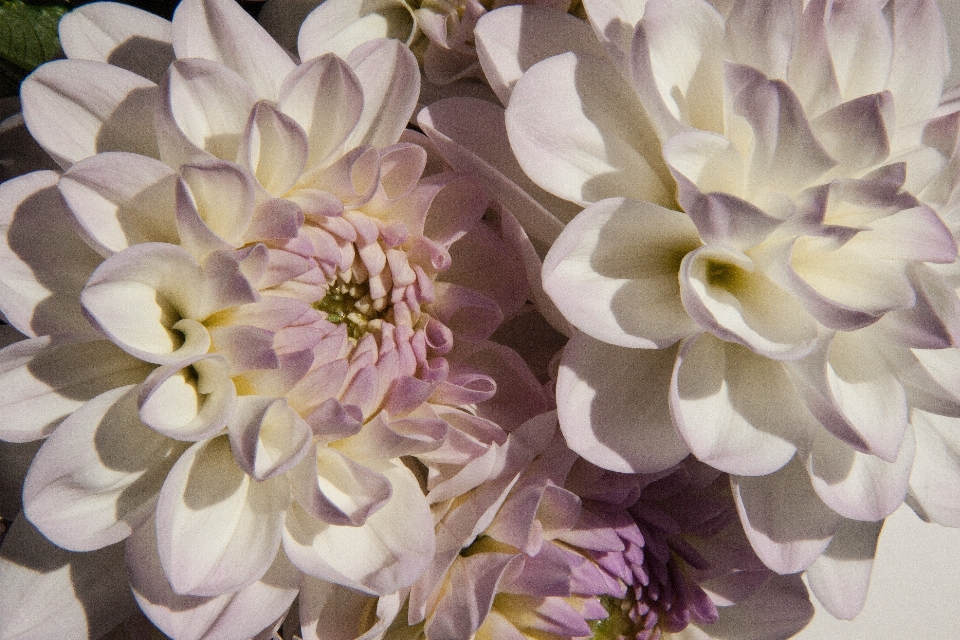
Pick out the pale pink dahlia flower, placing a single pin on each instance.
(762, 257)
(553, 547)
(245, 309)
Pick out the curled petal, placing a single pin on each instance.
(471, 316)
(207, 486)
(145, 299)
(387, 553)
(618, 422)
(97, 477)
(267, 436)
(726, 292)
(613, 273)
(338, 490)
(188, 400)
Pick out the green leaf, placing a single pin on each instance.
(28, 32)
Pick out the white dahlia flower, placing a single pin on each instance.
(763, 273)
(245, 310)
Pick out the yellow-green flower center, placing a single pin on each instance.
(350, 303)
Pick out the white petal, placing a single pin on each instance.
(618, 422)
(121, 199)
(215, 205)
(613, 273)
(234, 616)
(840, 577)
(515, 38)
(42, 382)
(387, 553)
(97, 477)
(43, 264)
(737, 411)
(858, 485)
(340, 26)
(918, 35)
(935, 479)
(217, 529)
(787, 524)
(51, 593)
(683, 52)
(221, 31)
(597, 142)
(118, 34)
(203, 112)
(327, 608)
(274, 148)
(390, 78)
(76, 108)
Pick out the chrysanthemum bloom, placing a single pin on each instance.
(761, 258)
(557, 548)
(243, 304)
